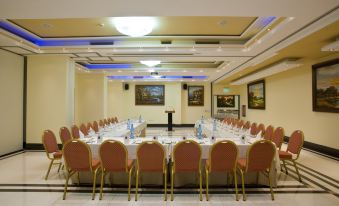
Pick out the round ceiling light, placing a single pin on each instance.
(150, 63)
(134, 26)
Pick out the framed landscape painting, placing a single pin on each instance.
(256, 95)
(149, 95)
(225, 101)
(195, 95)
(326, 86)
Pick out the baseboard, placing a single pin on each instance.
(332, 152)
(37, 146)
(10, 153)
(174, 125)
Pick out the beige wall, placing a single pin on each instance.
(11, 101)
(50, 95)
(289, 104)
(90, 97)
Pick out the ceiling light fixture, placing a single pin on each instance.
(134, 26)
(333, 46)
(150, 63)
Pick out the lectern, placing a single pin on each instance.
(169, 121)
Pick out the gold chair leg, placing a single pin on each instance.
(136, 185)
(297, 170)
(285, 167)
(94, 183)
(78, 174)
(243, 185)
(59, 167)
(49, 169)
(102, 182)
(66, 184)
(207, 185)
(172, 183)
(200, 184)
(129, 184)
(165, 185)
(236, 185)
(269, 181)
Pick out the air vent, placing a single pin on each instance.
(166, 42)
(207, 42)
(102, 43)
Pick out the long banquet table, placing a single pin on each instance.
(221, 133)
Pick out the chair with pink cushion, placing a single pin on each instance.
(247, 125)
(240, 124)
(101, 123)
(278, 137)
(65, 135)
(186, 158)
(268, 135)
(83, 129)
(259, 158)
(78, 158)
(222, 158)
(52, 151)
(261, 128)
(95, 126)
(151, 158)
(295, 144)
(89, 126)
(114, 158)
(116, 119)
(75, 132)
(105, 122)
(253, 129)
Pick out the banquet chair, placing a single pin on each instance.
(83, 129)
(65, 135)
(101, 123)
(95, 126)
(78, 158)
(186, 157)
(253, 129)
(259, 158)
(268, 135)
(261, 128)
(295, 144)
(247, 125)
(114, 158)
(52, 151)
(222, 158)
(89, 126)
(240, 124)
(105, 122)
(278, 137)
(116, 119)
(75, 132)
(151, 158)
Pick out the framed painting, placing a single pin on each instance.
(225, 101)
(149, 95)
(195, 95)
(325, 85)
(256, 95)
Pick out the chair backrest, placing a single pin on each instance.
(261, 128)
(95, 126)
(89, 125)
(116, 119)
(113, 156)
(260, 155)
(83, 129)
(78, 156)
(235, 122)
(240, 123)
(49, 141)
(296, 142)
(253, 129)
(247, 125)
(65, 135)
(105, 122)
(101, 123)
(75, 132)
(278, 137)
(223, 156)
(151, 157)
(187, 156)
(269, 132)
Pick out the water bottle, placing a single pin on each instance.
(132, 132)
(140, 119)
(128, 124)
(202, 119)
(214, 125)
(199, 132)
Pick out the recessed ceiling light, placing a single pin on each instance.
(269, 29)
(184, 71)
(134, 26)
(201, 71)
(193, 49)
(101, 25)
(119, 70)
(218, 71)
(219, 49)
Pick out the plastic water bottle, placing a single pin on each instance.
(128, 124)
(140, 119)
(202, 119)
(132, 132)
(199, 132)
(214, 125)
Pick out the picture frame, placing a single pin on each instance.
(325, 86)
(153, 95)
(256, 98)
(195, 95)
(225, 101)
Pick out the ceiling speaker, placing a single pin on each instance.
(184, 86)
(125, 86)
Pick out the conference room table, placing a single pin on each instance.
(118, 133)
